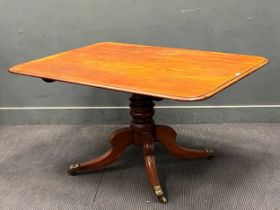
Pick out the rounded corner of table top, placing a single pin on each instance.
(106, 43)
(13, 69)
(214, 91)
(263, 60)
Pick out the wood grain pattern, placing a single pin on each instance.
(178, 74)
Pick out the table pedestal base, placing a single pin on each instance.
(142, 132)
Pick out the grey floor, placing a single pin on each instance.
(244, 175)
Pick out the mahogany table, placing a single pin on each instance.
(150, 73)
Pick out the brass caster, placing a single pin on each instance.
(159, 194)
(162, 199)
(73, 169)
(210, 153)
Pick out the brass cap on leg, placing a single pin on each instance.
(159, 194)
(73, 168)
(210, 153)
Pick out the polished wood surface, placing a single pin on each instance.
(143, 133)
(173, 73)
(166, 136)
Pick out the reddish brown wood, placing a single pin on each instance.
(142, 132)
(149, 155)
(120, 140)
(155, 72)
(173, 73)
(166, 136)
(150, 164)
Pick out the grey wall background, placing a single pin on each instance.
(31, 29)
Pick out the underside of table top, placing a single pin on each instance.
(173, 73)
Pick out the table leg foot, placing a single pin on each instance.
(210, 152)
(159, 193)
(166, 136)
(120, 140)
(72, 169)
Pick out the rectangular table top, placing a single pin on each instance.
(173, 73)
